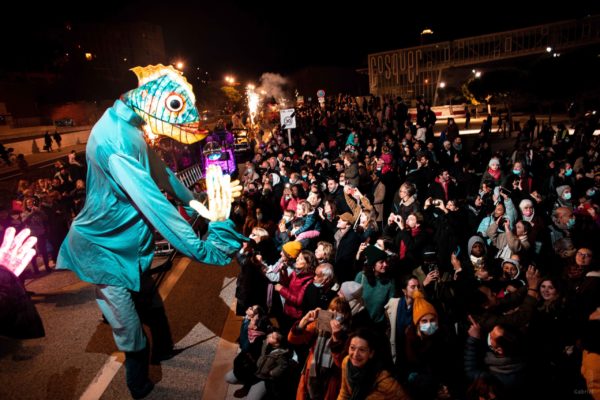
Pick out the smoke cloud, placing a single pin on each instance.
(274, 85)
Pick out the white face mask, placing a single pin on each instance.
(428, 328)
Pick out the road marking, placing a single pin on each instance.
(104, 377)
(216, 387)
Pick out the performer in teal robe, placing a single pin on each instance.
(110, 242)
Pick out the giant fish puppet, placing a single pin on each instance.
(110, 242)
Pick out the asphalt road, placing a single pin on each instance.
(78, 357)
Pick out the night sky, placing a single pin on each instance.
(228, 36)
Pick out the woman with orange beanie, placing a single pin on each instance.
(429, 352)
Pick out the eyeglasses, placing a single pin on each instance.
(588, 255)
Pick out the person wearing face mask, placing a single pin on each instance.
(564, 177)
(320, 378)
(250, 175)
(322, 289)
(565, 196)
(563, 224)
(430, 352)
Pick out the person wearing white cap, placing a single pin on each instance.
(493, 173)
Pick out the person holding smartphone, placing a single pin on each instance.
(321, 375)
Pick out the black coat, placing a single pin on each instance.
(345, 255)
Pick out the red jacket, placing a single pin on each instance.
(293, 293)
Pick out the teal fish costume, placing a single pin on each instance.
(110, 243)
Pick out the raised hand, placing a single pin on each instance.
(221, 192)
(17, 252)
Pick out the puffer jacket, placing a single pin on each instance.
(293, 293)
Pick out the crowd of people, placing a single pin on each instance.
(387, 262)
(47, 206)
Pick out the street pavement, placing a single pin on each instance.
(78, 359)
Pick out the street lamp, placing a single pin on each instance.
(230, 79)
(179, 65)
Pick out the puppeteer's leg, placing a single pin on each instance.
(151, 310)
(116, 303)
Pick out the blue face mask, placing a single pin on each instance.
(568, 172)
(317, 284)
(428, 328)
(567, 196)
(571, 223)
(590, 193)
(517, 171)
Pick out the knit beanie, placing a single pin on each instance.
(561, 189)
(525, 203)
(421, 307)
(351, 290)
(494, 160)
(292, 249)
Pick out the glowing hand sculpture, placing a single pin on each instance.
(17, 252)
(221, 192)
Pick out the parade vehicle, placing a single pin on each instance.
(219, 149)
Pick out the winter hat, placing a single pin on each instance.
(476, 239)
(561, 189)
(494, 160)
(351, 290)
(374, 254)
(525, 203)
(292, 249)
(421, 307)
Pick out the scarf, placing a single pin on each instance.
(356, 305)
(495, 174)
(361, 380)
(413, 232)
(320, 366)
(338, 235)
(253, 334)
(444, 186)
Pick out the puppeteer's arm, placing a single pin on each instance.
(139, 186)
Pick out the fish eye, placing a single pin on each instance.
(174, 102)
